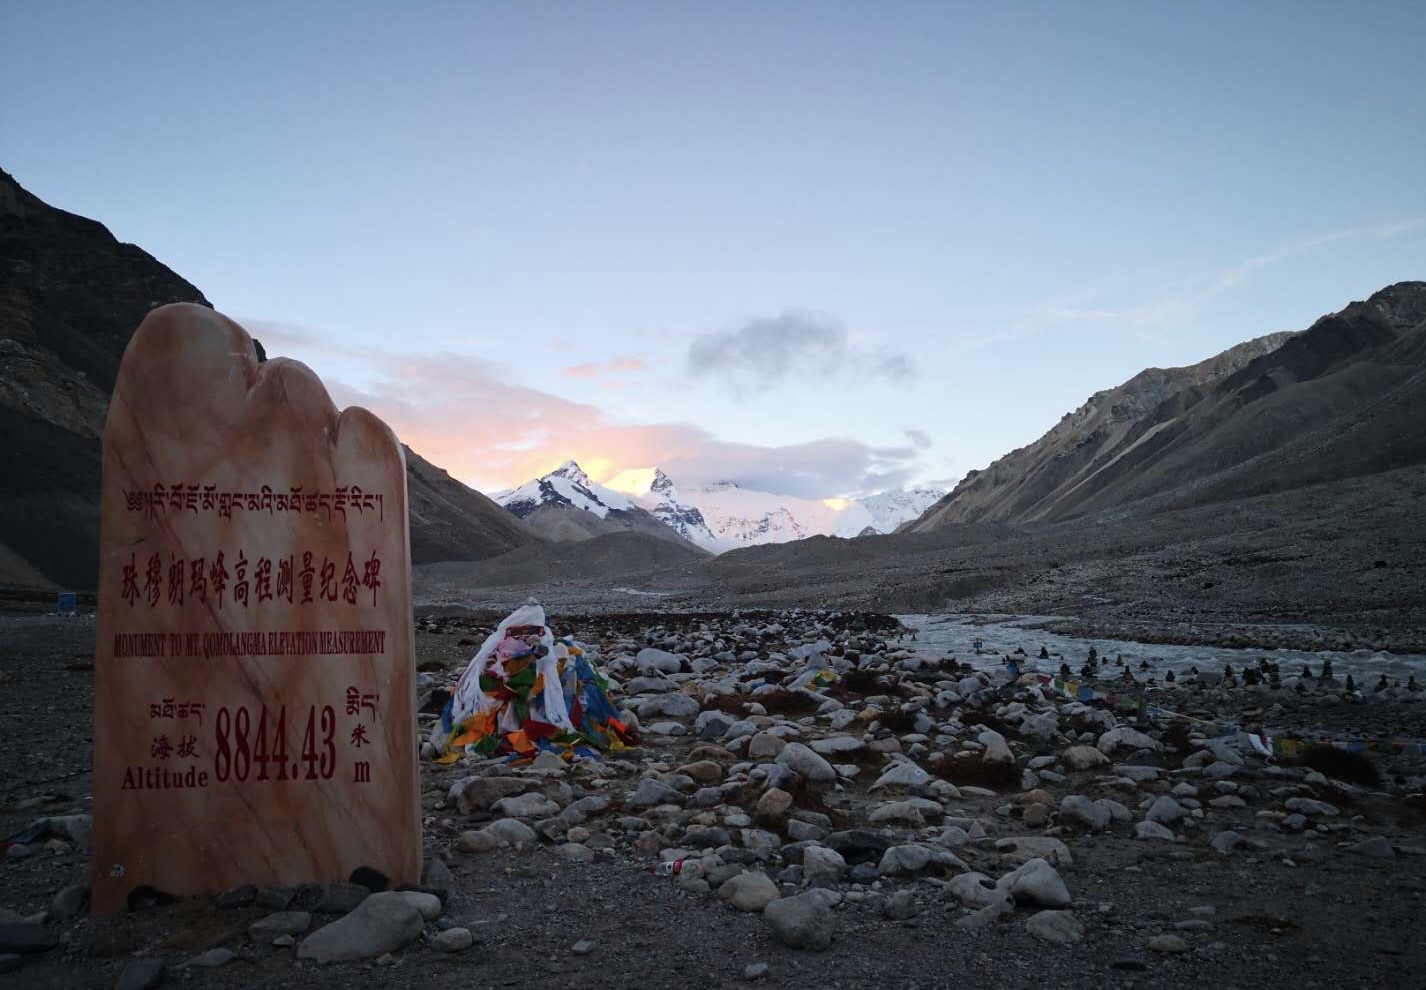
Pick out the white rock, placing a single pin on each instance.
(901, 774)
(380, 924)
(1083, 758)
(429, 905)
(1059, 927)
(1153, 830)
(801, 922)
(821, 863)
(835, 745)
(974, 890)
(997, 750)
(453, 940)
(1036, 882)
(651, 661)
(1124, 736)
(532, 805)
(510, 832)
(1165, 810)
(807, 764)
(749, 891)
(913, 857)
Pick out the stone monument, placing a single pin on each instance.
(254, 699)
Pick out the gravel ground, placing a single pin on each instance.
(1289, 912)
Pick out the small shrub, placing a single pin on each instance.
(1354, 768)
(785, 702)
(975, 771)
(899, 720)
(860, 682)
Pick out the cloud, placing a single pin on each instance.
(625, 364)
(920, 439)
(281, 334)
(597, 369)
(1236, 274)
(1172, 303)
(764, 351)
(468, 416)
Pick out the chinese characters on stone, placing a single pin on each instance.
(237, 580)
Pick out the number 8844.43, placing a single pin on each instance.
(245, 751)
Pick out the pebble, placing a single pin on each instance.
(281, 923)
(583, 947)
(801, 922)
(1153, 830)
(26, 939)
(1377, 847)
(1059, 927)
(141, 974)
(749, 891)
(1038, 883)
(70, 902)
(755, 971)
(901, 906)
(212, 959)
(235, 897)
(1167, 944)
(807, 764)
(820, 863)
(340, 898)
(429, 905)
(453, 940)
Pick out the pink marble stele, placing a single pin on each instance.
(254, 699)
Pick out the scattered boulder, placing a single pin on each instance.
(1036, 882)
(1084, 758)
(801, 922)
(807, 764)
(453, 940)
(749, 891)
(380, 924)
(1059, 927)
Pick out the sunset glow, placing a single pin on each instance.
(631, 481)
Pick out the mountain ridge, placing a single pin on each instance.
(71, 296)
(1177, 436)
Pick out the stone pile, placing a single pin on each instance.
(807, 767)
(909, 781)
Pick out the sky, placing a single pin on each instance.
(818, 249)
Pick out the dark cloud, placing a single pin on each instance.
(767, 350)
(895, 367)
(920, 439)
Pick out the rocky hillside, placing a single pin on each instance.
(452, 521)
(1341, 399)
(70, 297)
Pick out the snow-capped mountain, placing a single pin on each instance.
(724, 516)
(565, 485)
(565, 505)
(669, 507)
(890, 509)
(741, 517)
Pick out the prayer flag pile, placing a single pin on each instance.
(525, 693)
